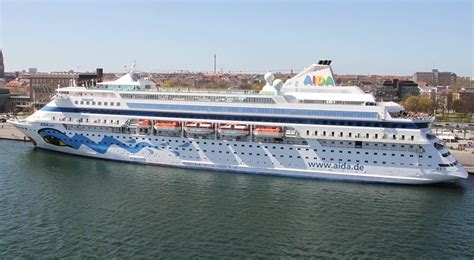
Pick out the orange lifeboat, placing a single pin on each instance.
(167, 126)
(268, 131)
(144, 122)
(199, 128)
(233, 130)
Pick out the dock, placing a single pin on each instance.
(8, 132)
(465, 158)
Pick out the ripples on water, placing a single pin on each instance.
(56, 205)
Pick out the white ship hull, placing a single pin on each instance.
(237, 157)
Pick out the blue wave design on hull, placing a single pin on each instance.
(101, 147)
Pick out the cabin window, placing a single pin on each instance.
(358, 144)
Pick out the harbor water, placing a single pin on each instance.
(56, 205)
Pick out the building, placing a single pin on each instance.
(2, 66)
(43, 86)
(395, 90)
(4, 96)
(88, 79)
(406, 88)
(435, 78)
(20, 102)
(385, 91)
(465, 94)
(32, 70)
(429, 92)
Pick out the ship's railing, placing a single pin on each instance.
(204, 91)
(412, 116)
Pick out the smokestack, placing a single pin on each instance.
(215, 63)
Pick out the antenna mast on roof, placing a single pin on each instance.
(132, 67)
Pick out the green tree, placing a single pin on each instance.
(426, 104)
(449, 102)
(419, 104)
(411, 104)
(170, 83)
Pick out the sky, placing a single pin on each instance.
(361, 37)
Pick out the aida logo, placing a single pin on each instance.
(315, 80)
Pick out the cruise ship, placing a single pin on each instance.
(305, 127)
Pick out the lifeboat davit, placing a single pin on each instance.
(268, 131)
(144, 122)
(167, 126)
(199, 128)
(233, 130)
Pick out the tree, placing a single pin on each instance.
(419, 104)
(426, 104)
(170, 83)
(463, 107)
(411, 104)
(449, 102)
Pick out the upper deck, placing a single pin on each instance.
(298, 97)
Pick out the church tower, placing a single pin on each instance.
(2, 67)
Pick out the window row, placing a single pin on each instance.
(359, 135)
(200, 98)
(99, 103)
(257, 110)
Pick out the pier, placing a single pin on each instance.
(465, 158)
(8, 132)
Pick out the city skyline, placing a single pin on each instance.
(362, 37)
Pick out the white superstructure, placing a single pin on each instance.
(305, 127)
